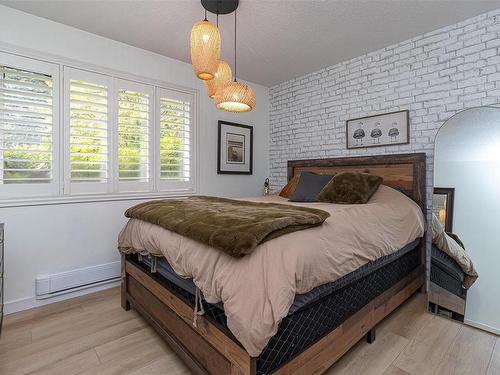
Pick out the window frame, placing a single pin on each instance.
(131, 187)
(38, 189)
(79, 188)
(60, 193)
(190, 186)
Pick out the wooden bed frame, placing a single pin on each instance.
(440, 297)
(210, 349)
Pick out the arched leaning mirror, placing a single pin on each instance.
(466, 219)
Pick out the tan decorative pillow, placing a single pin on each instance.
(289, 188)
(350, 188)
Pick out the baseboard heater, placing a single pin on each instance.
(72, 281)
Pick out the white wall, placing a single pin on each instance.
(466, 158)
(47, 239)
(434, 76)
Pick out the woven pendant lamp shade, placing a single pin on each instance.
(205, 49)
(236, 97)
(222, 77)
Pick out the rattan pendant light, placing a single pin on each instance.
(222, 77)
(236, 96)
(205, 49)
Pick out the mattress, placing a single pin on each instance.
(446, 273)
(316, 313)
(301, 300)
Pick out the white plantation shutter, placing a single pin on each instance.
(176, 140)
(135, 119)
(28, 127)
(88, 141)
(92, 135)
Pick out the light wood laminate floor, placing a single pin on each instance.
(92, 335)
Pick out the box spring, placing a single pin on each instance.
(325, 310)
(446, 273)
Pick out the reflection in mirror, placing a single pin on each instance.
(442, 206)
(466, 219)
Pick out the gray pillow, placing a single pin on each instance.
(309, 186)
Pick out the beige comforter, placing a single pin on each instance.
(258, 289)
(449, 246)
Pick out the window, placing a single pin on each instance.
(88, 142)
(28, 127)
(176, 139)
(134, 136)
(116, 137)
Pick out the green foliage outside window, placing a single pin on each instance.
(26, 131)
(25, 126)
(174, 139)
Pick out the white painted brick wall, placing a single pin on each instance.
(433, 75)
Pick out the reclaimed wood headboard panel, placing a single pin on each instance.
(405, 172)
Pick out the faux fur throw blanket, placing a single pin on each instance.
(233, 226)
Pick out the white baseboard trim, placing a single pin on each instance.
(11, 307)
(482, 326)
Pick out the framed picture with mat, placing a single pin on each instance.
(234, 148)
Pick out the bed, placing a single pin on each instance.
(315, 333)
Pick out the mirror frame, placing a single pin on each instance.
(434, 297)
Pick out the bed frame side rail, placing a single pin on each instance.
(205, 348)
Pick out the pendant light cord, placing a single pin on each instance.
(235, 45)
(205, 10)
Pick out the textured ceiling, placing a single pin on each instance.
(277, 40)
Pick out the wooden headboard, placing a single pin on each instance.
(405, 172)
